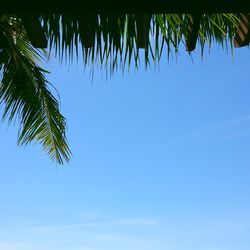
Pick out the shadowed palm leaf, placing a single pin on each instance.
(116, 37)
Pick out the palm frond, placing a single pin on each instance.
(115, 40)
(25, 95)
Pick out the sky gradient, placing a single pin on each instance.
(161, 161)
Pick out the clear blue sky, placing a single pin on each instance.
(161, 161)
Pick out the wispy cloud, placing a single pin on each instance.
(172, 234)
(105, 234)
(9, 246)
(208, 131)
(99, 223)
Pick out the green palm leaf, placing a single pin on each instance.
(25, 95)
(116, 35)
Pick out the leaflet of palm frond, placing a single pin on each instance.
(3, 42)
(34, 31)
(87, 25)
(142, 30)
(114, 27)
(193, 31)
(242, 36)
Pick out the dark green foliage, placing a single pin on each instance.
(116, 36)
(111, 43)
(24, 94)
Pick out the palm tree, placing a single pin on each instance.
(112, 41)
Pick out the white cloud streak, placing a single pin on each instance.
(171, 234)
(207, 131)
(100, 223)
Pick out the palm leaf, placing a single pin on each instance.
(115, 44)
(25, 95)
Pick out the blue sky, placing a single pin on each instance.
(161, 160)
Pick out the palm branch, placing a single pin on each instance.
(112, 41)
(24, 93)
